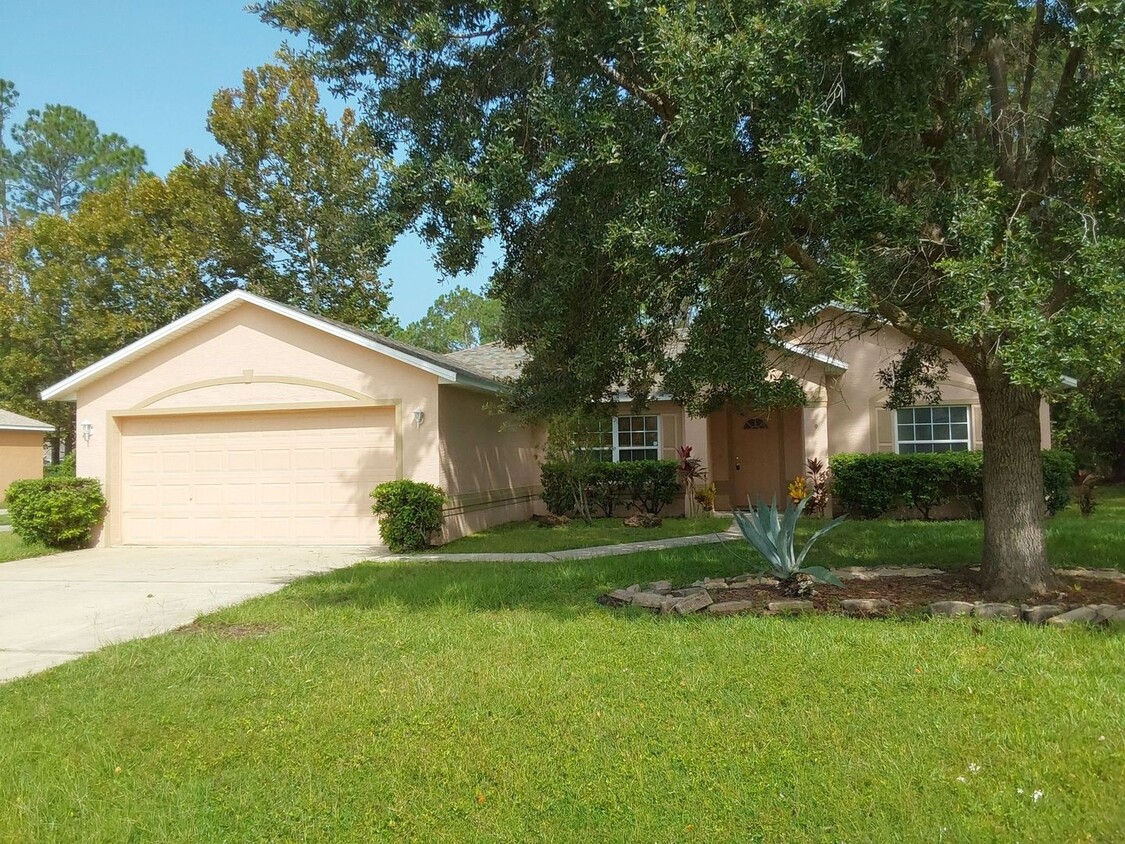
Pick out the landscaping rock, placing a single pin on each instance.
(790, 607)
(623, 595)
(1097, 574)
(1105, 611)
(1115, 621)
(866, 606)
(951, 608)
(687, 590)
(648, 600)
(743, 580)
(712, 584)
(1082, 615)
(659, 586)
(730, 607)
(550, 520)
(995, 611)
(693, 603)
(644, 520)
(1039, 615)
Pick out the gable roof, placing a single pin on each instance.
(494, 359)
(14, 422)
(450, 372)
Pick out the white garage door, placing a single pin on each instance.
(255, 478)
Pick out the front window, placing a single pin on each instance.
(625, 438)
(926, 430)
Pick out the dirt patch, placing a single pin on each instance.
(228, 631)
(909, 594)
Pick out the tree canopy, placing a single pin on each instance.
(956, 171)
(308, 188)
(456, 320)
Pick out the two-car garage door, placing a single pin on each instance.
(277, 478)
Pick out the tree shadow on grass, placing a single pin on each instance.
(566, 588)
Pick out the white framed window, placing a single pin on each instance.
(927, 430)
(626, 438)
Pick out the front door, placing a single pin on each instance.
(757, 457)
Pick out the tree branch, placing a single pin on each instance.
(663, 109)
(1046, 164)
(1000, 110)
(1028, 82)
(915, 330)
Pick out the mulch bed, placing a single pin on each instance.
(917, 593)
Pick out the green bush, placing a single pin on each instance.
(409, 513)
(869, 485)
(57, 511)
(647, 485)
(65, 468)
(652, 484)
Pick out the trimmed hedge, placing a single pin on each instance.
(867, 486)
(647, 485)
(57, 511)
(409, 513)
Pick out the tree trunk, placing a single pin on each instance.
(1015, 555)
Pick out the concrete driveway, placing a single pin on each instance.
(54, 609)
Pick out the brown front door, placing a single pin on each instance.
(757, 457)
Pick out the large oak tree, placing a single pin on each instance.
(954, 169)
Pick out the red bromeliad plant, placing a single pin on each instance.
(690, 470)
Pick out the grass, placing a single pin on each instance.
(434, 701)
(530, 537)
(1072, 541)
(14, 548)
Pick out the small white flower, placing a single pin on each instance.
(1019, 791)
(973, 767)
(961, 779)
(1101, 738)
(1035, 795)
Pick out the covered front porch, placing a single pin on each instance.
(752, 453)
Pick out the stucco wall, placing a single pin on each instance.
(488, 463)
(857, 420)
(21, 457)
(261, 360)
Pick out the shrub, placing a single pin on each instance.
(1058, 478)
(649, 485)
(557, 494)
(870, 485)
(65, 468)
(409, 513)
(57, 511)
(652, 484)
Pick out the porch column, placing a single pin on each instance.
(814, 425)
(695, 435)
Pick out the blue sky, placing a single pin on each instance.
(147, 69)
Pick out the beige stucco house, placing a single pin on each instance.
(21, 448)
(250, 422)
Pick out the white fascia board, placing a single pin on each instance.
(66, 390)
(827, 360)
(42, 429)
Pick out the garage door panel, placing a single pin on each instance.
(276, 478)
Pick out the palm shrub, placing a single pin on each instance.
(57, 511)
(772, 533)
(409, 513)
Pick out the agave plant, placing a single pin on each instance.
(772, 532)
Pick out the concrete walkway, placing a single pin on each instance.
(573, 554)
(54, 609)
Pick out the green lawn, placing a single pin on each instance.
(14, 548)
(530, 537)
(431, 701)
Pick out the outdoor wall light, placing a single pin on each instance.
(87, 429)
(419, 418)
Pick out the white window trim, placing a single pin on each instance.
(968, 419)
(617, 441)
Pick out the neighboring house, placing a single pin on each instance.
(21, 448)
(250, 422)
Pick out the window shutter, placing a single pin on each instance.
(882, 422)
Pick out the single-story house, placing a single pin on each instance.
(21, 448)
(251, 422)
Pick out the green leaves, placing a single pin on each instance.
(772, 532)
